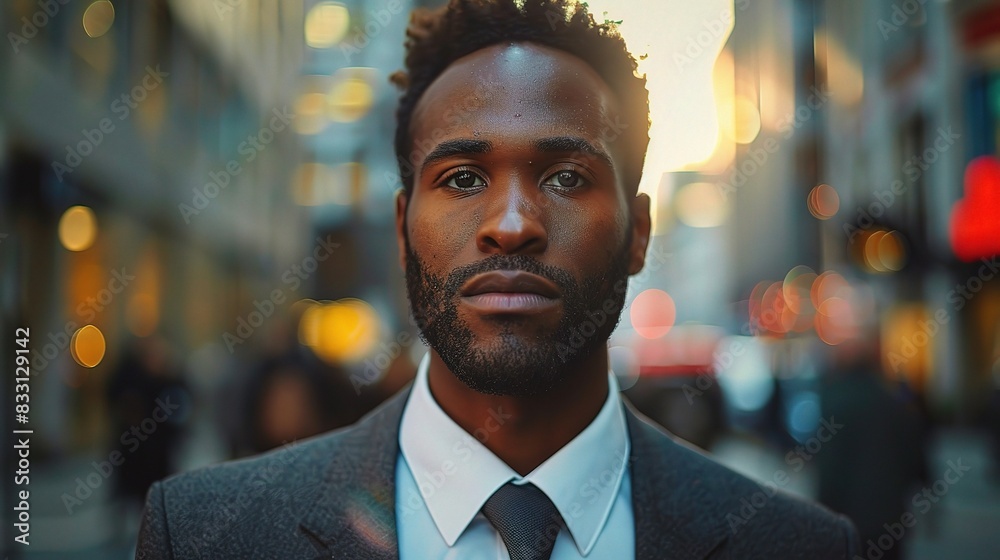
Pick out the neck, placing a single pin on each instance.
(524, 431)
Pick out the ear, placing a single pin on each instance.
(401, 204)
(641, 226)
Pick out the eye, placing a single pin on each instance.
(565, 179)
(464, 180)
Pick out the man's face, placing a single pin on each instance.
(518, 237)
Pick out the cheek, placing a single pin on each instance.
(441, 233)
(589, 236)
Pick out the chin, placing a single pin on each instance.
(512, 366)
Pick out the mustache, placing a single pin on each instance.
(458, 277)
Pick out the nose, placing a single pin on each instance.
(513, 222)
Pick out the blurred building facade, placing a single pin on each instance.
(854, 124)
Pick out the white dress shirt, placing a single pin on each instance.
(444, 475)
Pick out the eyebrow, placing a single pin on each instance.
(461, 146)
(562, 144)
(573, 144)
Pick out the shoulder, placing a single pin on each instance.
(287, 467)
(232, 508)
(253, 507)
(287, 472)
(754, 519)
(204, 507)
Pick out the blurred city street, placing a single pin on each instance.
(962, 525)
(199, 259)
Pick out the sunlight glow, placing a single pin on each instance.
(682, 41)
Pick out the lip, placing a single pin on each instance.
(510, 292)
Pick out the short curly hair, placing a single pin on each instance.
(437, 38)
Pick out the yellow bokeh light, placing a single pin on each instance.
(309, 323)
(341, 331)
(871, 255)
(87, 346)
(351, 97)
(882, 251)
(326, 24)
(98, 18)
(78, 228)
(892, 251)
(908, 345)
(309, 115)
(701, 205)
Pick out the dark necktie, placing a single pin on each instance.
(527, 521)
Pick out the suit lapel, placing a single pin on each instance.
(675, 513)
(353, 513)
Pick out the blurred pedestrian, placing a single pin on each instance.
(148, 402)
(871, 468)
(294, 396)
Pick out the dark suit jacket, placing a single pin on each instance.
(333, 496)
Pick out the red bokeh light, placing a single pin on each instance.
(975, 219)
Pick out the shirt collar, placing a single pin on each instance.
(456, 473)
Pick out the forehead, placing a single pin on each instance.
(511, 93)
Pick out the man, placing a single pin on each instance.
(522, 133)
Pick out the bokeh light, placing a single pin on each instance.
(909, 338)
(87, 346)
(827, 285)
(836, 321)
(343, 331)
(701, 205)
(974, 231)
(352, 94)
(823, 202)
(796, 287)
(326, 24)
(871, 248)
(804, 415)
(78, 228)
(747, 383)
(892, 251)
(776, 317)
(804, 301)
(653, 313)
(310, 116)
(98, 18)
(880, 250)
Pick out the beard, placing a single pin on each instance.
(516, 364)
